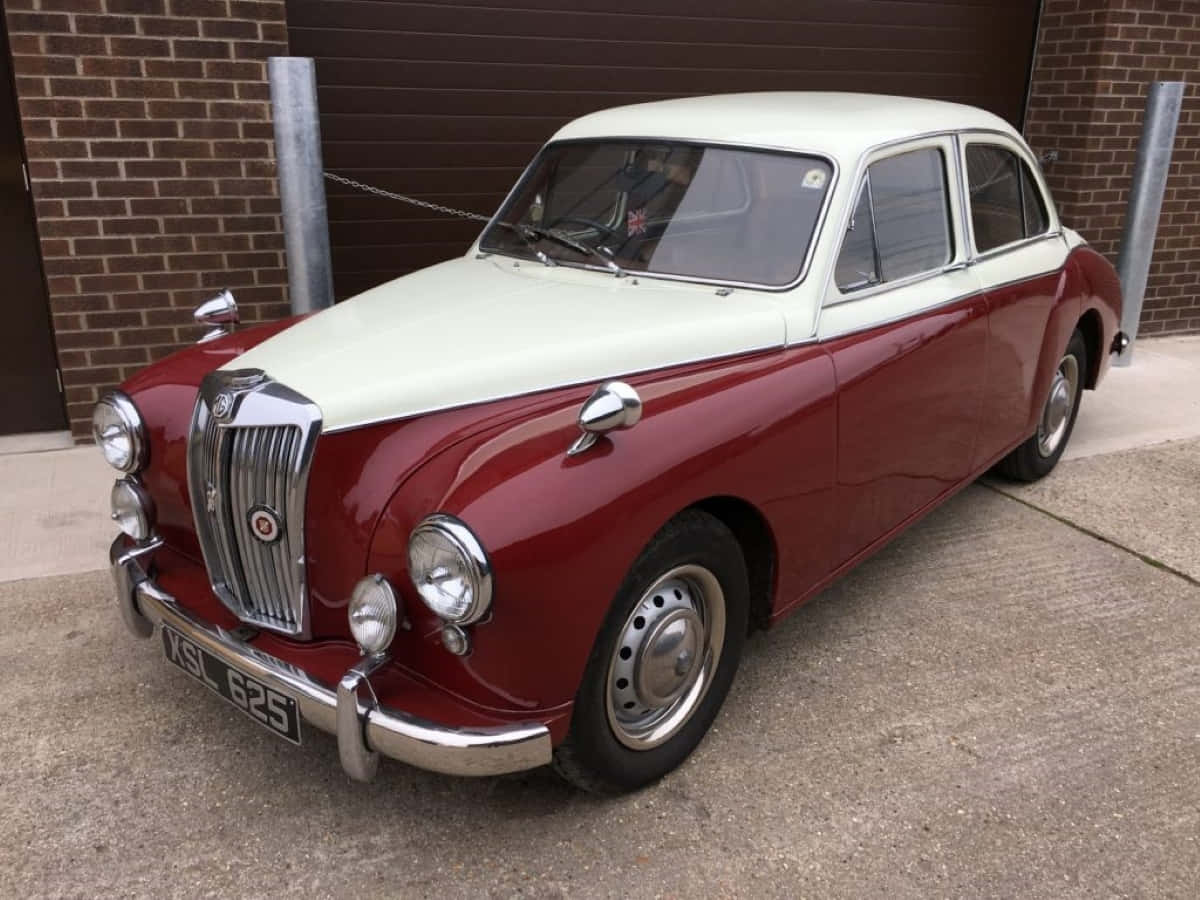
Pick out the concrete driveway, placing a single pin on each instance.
(1005, 702)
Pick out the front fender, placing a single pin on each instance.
(563, 531)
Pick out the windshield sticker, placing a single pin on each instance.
(635, 221)
(814, 179)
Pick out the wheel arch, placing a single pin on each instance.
(1092, 329)
(757, 543)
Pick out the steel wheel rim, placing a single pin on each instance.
(1056, 415)
(665, 658)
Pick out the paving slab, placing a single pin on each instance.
(1155, 399)
(54, 512)
(997, 705)
(1146, 500)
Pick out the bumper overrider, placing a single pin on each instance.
(364, 729)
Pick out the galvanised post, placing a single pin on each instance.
(301, 181)
(1150, 170)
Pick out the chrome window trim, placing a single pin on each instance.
(1011, 246)
(957, 257)
(885, 286)
(806, 263)
(964, 225)
(258, 402)
(1053, 224)
(967, 252)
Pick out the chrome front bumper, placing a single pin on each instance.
(365, 730)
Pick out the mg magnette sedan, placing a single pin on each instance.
(522, 507)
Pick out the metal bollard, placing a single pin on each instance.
(301, 181)
(1150, 171)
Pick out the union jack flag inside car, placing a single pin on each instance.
(635, 221)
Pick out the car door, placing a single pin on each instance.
(905, 323)
(1017, 254)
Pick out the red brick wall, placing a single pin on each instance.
(147, 128)
(1095, 59)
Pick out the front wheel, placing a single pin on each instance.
(663, 661)
(1038, 455)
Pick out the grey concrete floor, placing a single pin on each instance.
(999, 704)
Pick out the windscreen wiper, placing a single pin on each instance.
(601, 253)
(524, 232)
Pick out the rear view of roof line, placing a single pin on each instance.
(839, 124)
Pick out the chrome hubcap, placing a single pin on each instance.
(1057, 414)
(666, 657)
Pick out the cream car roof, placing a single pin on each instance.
(840, 125)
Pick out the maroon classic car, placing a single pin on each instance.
(521, 508)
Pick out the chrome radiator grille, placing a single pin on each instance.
(249, 452)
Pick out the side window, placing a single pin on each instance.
(901, 222)
(1006, 205)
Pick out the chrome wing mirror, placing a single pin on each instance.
(220, 313)
(613, 405)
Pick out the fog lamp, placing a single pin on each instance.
(132, 509)
(373, 614)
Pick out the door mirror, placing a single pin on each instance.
(611, 406)
(220, 313)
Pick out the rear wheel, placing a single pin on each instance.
(663, 661)
(1038, 455)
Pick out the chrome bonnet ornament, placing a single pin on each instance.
(220, 313)
(613, 405)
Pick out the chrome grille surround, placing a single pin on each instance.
(250, 448)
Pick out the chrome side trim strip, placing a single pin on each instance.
(586, 382)
(385, 731)
(925, 310)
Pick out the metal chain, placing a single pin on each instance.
(424, 204)
(562, 237)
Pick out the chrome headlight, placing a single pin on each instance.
(132, 509)
(373, 613)
(450, 569)
(119, 432)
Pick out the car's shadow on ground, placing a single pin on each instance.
(788, 657)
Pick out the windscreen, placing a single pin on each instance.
(709, 213)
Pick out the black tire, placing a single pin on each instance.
(1030, 461)
(592, 757)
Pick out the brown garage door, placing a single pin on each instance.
(30, 400)
(448, 101)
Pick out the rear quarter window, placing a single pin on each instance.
(1006, 204)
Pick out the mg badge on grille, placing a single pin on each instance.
(223, 405)
(265, 524)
